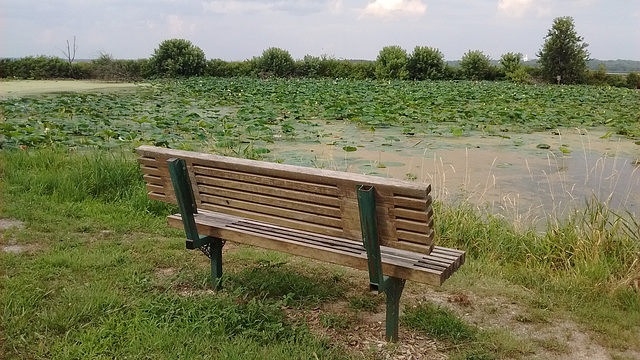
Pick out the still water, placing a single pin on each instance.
(525, 177)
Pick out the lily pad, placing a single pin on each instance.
(543, 146)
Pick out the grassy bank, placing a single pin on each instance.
(94, 272)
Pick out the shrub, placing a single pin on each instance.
(309, 66)
(391, 63)
(362, 70)
(426, 63)
(633, 80)
(475, 65)
(177, 57)
(276, 62)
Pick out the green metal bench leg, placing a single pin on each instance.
(394, 287)
(216, 263)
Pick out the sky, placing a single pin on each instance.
(235, 30)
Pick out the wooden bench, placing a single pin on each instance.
(365, 222)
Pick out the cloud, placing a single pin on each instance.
(235, 7)
(384, 8)
(229, 7)
(521, 8)
(177, 26)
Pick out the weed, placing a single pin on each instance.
(364, 303)
(335, 321)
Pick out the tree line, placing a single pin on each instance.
(563, 59)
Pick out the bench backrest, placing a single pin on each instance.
(316, 200)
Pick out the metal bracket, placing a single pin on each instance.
(210, 246)
(391, 286)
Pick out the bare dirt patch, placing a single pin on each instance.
(7, 223)
(11, 246)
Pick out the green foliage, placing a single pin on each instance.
(239, 116)
(309, 67)
(440, 323)
(426, 63)
(276, 62)
(633, 80)
(177, 58)
(365, 303)
(563, 57)
(41, 67)
(335, 321)
(105, 67)
(276, 281)
(391, 63)
(475, 65)
(511, 62)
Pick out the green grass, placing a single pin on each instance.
(102, 276)
(90, 286)
(465, 341)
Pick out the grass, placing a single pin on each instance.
(102, 276)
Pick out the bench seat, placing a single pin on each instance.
(432, 269)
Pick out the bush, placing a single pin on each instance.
(177, 57)
(426, 63)
(633, 80)
(41, 67)
(276, 62)
(391, 63)
(475, 65)
(362, 70)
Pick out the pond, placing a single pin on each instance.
(525, 177)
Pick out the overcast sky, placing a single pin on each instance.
(357, 29)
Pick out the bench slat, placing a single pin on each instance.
(429, 269)
(265, 190)
(269, 181)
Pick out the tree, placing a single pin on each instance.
(70, 53)
(391, 63)
(511, 62)
(475, 65)
(178, 57)
(426, 63)
(563, 57)
(277, 62)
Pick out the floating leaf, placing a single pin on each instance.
(543, 146)
(349, 148)
(607, 135)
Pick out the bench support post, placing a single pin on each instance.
(216, 263)
(187, 205)
(392, 286)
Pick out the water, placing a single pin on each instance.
(513, 175)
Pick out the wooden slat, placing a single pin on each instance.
(269, 181)
(206, 191)
(292, 223)
(410, 214)
(266, 190)
(155, 188)
(150, 171)
(274, 211)
(147, 161)
(410, 225)
(421, 203)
